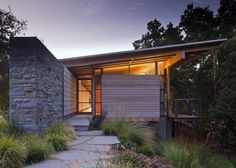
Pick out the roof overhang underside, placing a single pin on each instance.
(172, 54)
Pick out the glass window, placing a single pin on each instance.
(143, 69)
(85, 107)
(116, 70)
(85, 95)
(85, 84)
(98, 95)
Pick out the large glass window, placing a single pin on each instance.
(136, 69)
(85, 95)
(117, 70)
(143, 69)
(98, 95)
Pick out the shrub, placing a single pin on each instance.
(147, 149)
(180, 156)
(37, 148)
(130, 135)
(63, 130)
(58, 142)
(96, 122)
(12, 153)
(129, 160)
(221, 120)
(8, 128)
(208, 159)
(137, 136)
(193, 157)
(108, 128)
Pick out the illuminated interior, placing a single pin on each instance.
(143, 69)
(85, 100)
(84, 96)
(121, 70)
(98, 95)
(133, 69)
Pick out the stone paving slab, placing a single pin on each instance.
(89, 133)
(104, 140)
(80, 155)
(74, 121)
(99, 164)
(92, 148)
(49, 164)
(80, 140)
(85, 152)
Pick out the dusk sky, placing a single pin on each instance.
(71, 28)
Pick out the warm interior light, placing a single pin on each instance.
(143, 69)
(161, 66)
(116, 70)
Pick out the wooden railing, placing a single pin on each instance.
(192, 107)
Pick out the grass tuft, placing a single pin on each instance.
(58, 142)
(130, 134)
(12, 153)
(62, 129)
(37, 148)
(8, 128)
(181, 156)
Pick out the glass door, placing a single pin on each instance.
(85, 96)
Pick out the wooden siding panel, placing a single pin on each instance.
(69, 92)
(131, 96)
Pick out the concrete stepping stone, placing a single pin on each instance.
(92, 148)
(89, 133)
(87, 151)
(78, 122)
(80, 156)
(80, 140)
(103, 140)
(100, 163)
(49, 164)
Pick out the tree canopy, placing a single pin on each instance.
(9, 27)
(201, 77)
(223, 110)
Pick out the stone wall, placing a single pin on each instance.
(36, 85)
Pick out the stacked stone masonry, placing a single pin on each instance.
(36, 85)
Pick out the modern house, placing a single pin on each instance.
(132, 84)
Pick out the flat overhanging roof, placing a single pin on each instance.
(163, 52)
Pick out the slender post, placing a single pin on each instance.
(168, 90)
(94, 95)
(77, 96)
(215, 59)
(162, 92)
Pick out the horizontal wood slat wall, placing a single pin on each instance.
(132, 96)
(69, 92)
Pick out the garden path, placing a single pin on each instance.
(87, 151)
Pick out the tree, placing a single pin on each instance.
(152, 38)
(9, 27)
(198, 24)
(157, 35)
(196, 78)
(172, 35)
(227, 18)
(222, 114)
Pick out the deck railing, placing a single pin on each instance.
(192, 107)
